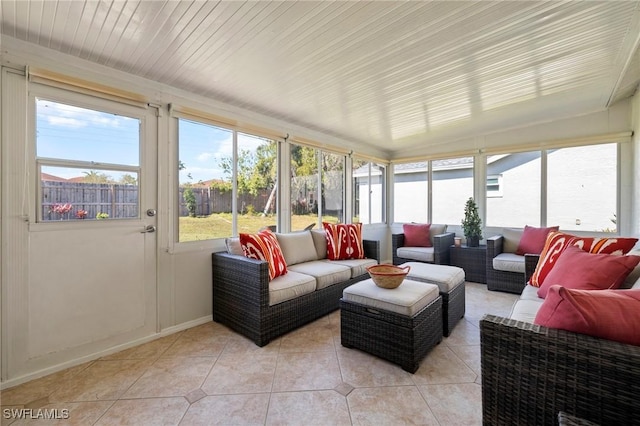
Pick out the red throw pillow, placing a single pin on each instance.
(577, 269)
(533, 239)
(344, 241)
(264, 246)
(416, 234)
(608, 314)
(558, 241)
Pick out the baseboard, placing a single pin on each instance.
(96, 355)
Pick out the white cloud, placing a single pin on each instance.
(205, 156)
(74, 117)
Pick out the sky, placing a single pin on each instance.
(73, 133)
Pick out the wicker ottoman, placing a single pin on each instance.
(400, 325)
(450, 281)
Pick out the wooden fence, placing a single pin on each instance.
(121, 201)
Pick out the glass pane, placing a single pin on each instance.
(410, 192)
(304, 187)
(257, 183)
(72, 133)
(452, 185)
(70, 193)
(582, 188)
(368, 192)
(333, 188)
(205, 167)
(513, 189)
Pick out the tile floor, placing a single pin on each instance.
(211, 375)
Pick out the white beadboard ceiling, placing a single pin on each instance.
(395, 75)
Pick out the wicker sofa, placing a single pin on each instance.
(531, 373)
(441, 241)
(245, 300)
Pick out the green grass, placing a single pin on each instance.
(219, 225)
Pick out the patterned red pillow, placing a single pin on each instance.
(264, 246)
(344, 241)
(558, 241)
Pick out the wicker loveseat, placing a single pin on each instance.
(441, 241)
(531, 373)
(245, 300)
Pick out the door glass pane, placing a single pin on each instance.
(72, 133)
(452, 185)
(332, 188)
(204, 190)
(257, 183)
(582, 188)
(88, 163)
(410, 192)
(513, 189)
(304, 187)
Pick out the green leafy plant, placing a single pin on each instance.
(190, 200)
(102, 215)
(472, 224)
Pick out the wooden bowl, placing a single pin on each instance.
(388, 276)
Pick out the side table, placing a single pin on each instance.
(472, 259)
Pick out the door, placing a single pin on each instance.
(90, 190)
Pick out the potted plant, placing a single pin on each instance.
(472, 224)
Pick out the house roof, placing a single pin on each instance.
(383, 76)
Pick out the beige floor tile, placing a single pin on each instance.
(237, 343)
(102, 380)
(306, 371)
(250, 372)
(456, 404)
(361, 369)
(68, 414)
(464, 333)
(441, 365)
(470, 355)
(308, 408)
(150, 350)
(314, 337)
(9, 417)
(171, 377)
(480, 301)
(200, 343)
(393, 405)
(148, 412)
(39, 388)
(249, 409)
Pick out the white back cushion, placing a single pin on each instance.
(297, 247)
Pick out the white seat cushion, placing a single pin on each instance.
(509, 262)
(525, 310)
(358, 266)
(408, 299)
(289, 286)
(423, 254)
(445, 277)
(325, 273)
(530, 293)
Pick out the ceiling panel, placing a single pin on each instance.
(395, 75)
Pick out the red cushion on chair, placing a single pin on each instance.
(558, 241)
(533, 239)
(416, 234)
(264, 246)
(608, 314)
(577, 269)
(344, 241)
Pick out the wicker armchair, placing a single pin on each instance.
(441, 245)
(531, 373)
(241, 297)
(512, 282)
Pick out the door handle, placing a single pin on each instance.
(148, 229)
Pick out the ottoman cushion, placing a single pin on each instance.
(445, 277)
(408, 299)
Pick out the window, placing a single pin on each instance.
(519, 183)
(333, 178)
(204, 189)
(410, 192)
(368, 192)
(582, 188)
(452, 185)
(494, 186)
(88, 163)
(206, 171)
